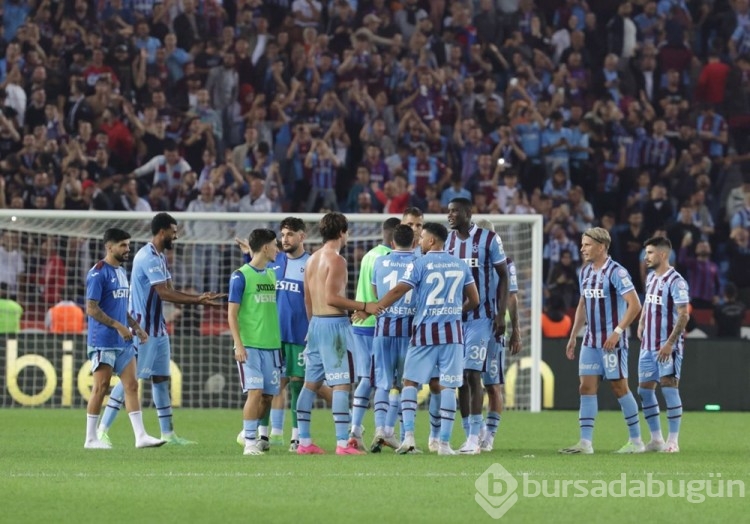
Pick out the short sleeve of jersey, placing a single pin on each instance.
(412, 275)
(497, 251)
(156, 269)
(621, 280)
(680, 292)
(94, 285)
(375, 267)
(468, 277)
(512, 278)
(236, 287)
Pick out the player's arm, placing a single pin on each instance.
(683, 317)
(94, 311)
(335, 282)
(135, 326)
(578, 321)
(502, 297)
(168, 293)
(515, 336)
(236, 291)
(308, 297)
(634, 307)
(471, 298)
(641, 326)
(401, 289)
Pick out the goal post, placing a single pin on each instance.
(46, 255)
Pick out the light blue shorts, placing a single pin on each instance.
(651, 370)
(420, 363)
(261, 370)
(116, 358)
(389, 354)
(493, 368)
(328, 356)
(613, 365)
(154, 357)
(362, 353)
(477, 337)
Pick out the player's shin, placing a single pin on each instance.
(341, 417)
(651, 412)
(360, 404)
(447, 414)
(304, 409)
(674, 412)
(629, 408)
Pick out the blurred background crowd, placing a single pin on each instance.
(630, 115)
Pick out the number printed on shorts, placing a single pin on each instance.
(439, 280)
(274, 377)
(611, 362)
(494, 369)
(477, 353)
(301, 359)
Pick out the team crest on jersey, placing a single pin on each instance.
(681, 284)
(512, 270)
(661, 285)
(622, 273)
(475, 248)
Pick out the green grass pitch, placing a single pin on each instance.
(46, 476)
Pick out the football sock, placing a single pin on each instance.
(394, 411)
(91, 421)
(409, 407)
(160, 393)
(447, 413)
(304, 408)
(113, 407)
(341, 417)
(651, 412)
(360, 404)
(251, 429)
(380, 410)
(674, 411)
(630, 412)
(493, 422)
(136, 420)
(295, 387)
(587, 415)
(434, 415)
(475, 425)
(277, 421)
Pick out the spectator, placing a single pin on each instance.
(10, 312)
(702, 273)
(556, 323)
(738, 252)
(65, 317)
(729, 315)
(12, 264)
(205, 252)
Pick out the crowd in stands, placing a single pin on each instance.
(630, 115)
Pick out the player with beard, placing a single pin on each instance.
(151, 283)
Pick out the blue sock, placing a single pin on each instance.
(409, 407)
(160, 392)
(447, 413)
(341, 417)
(630, 411)
(587, 415)
(401, 430)
(475, 425)
(674, 410)
(277, 421)
(493, 422)
(434, 416)
(394, 409)
(465, 425)
(251, 429)
(360, 404)
(381, 407)
(304, 408)
(114, 404)
(651, 411)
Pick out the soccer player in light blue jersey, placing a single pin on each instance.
(110, 341)
(392, 333)
(444, 288)
(608, 305)
(329, 336)
(363, 331)
(492, 376)
(661, 331)
(151, 284)
(254, 323)
(483, 251)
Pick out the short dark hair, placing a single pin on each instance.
(439, 231)
(115, 234)
(413, 211)
(293, 223)
(170, 145)
(403, 236)
(730, 290)
(332, 225)
(659, 242)
(260, 237)
(162, 221)
(388, 227)
(463, 203)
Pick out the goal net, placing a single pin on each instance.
(44, 258)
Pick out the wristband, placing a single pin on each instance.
(619, 330)
(364, 306)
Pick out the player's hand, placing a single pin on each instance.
(124, 332)
(142, 335)
(570, 349)
(611, 342)
(240, 354)
(209, 299)
(499, 326)
(515, 343)
(665, 353)
(243, 245)
(373, 308)
(639, 333)
(358, 316)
